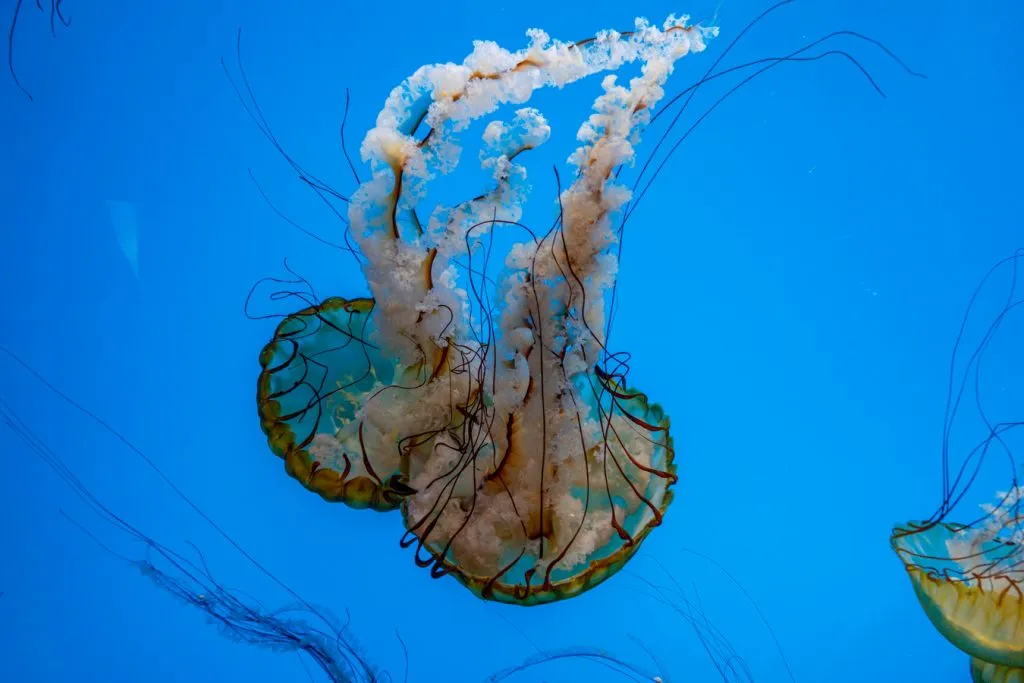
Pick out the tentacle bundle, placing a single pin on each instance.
(522, 464)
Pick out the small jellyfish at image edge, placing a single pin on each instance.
(969, 577)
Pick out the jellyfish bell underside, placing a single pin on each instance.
(971, 586)
(316, 371)
(522, 465)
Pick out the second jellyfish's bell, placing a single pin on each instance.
(981, 612)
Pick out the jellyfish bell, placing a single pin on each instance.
(546, 523)
(318, 370)
(969, 583)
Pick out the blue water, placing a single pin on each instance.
(789, 291)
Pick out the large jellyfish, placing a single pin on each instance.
(488, 412)
(969, 577)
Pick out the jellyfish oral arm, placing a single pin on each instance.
(408, 269)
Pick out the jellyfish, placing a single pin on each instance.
(492, 412)
(522, 464)
(969, 576)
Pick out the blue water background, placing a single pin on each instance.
(789, 292)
